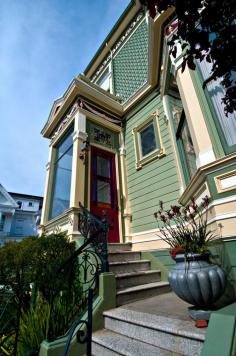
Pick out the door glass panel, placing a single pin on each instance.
(103, 167)
(103, 192)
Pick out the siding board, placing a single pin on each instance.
(157, 180)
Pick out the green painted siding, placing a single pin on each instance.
(130, 65)
(157, 180)
(160, 259)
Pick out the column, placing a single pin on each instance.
(78, 169)
(195, 118)
(48, 186)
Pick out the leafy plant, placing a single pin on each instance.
(34, 327)
(185, 228)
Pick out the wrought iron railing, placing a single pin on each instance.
(93, 260)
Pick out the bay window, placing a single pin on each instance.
(60, 198)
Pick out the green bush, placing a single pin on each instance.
(50, 308)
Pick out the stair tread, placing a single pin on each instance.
(142, 287)
(133, 274)
(126, 346)
(168, 325)
(128, 262)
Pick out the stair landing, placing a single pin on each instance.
(157, 326)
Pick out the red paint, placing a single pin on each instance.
(104, 199)
(201, 323)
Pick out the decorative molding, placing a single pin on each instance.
(118, 44)
(79, 135)
(226, 182)
(205, 157)
(159, 152)
(81, 104)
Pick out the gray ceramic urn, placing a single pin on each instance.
(197, 281)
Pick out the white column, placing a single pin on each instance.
(126, 207)
(48, 186)
(195, 118)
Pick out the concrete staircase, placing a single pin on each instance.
(151, 326)
(157, 326)
(132, 333)
(134, 279)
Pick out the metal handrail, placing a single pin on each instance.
(94, 260)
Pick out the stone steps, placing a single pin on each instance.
(122, 256)
(126, 280)
(108, 343)
(114, 247)
(143, 291)
(129, 266)
(171, 334)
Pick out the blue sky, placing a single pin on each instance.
(43, 45)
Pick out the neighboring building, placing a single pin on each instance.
(133, 130)
(8, 207)
(19, 214)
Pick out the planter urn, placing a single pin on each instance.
(195, 280)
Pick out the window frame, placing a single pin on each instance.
(156, 153)
(57, 158)
(108, 76)
(221, 136)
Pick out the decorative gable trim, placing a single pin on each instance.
(10, 201)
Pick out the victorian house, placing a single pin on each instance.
(133, 130)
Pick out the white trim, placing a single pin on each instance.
(222, 201)
(205, 157)
(222, 217)
(229, 239)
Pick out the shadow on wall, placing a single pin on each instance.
(224, 254)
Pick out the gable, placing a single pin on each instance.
(130, 65)
(6, 199)
(3, 199)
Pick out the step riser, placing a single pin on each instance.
(142, 294)
(98, 349)
(123, 257)
(126, 282)
(159, 338)
(129, 268)
(119, 247)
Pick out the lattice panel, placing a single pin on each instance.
(130, 65)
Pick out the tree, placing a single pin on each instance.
(206, 30)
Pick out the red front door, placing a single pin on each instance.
(103, 190)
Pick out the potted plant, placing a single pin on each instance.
(194, 278)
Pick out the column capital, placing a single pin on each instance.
(80, 135)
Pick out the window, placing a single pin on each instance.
(30, 203)
(185, 145)
(19, 203)
(2, 221)
(105, 80)
(147, 141)
(60, 200)
(226, 125)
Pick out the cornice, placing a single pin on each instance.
(81, 87)
(201, 173)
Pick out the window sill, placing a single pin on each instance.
(157, 154)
